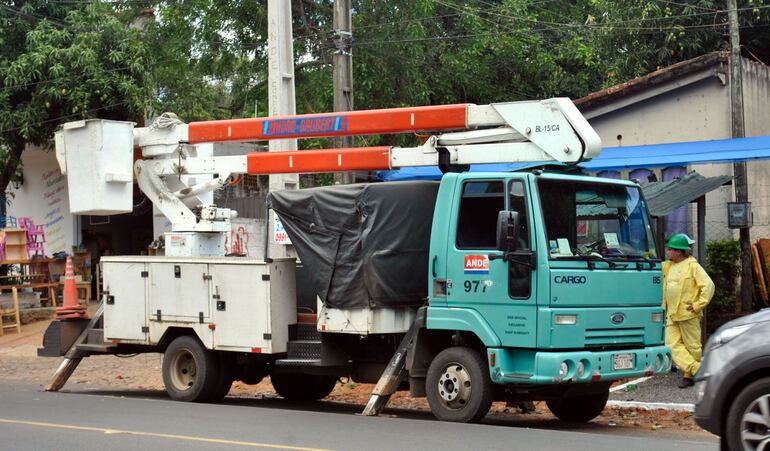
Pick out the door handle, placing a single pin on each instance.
(433, 265)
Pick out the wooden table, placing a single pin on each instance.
(35, 275)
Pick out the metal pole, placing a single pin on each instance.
(701, 203)
(343, 73)
(739, 168)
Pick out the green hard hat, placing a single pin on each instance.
(678, 241)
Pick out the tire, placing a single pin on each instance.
(743, 429)
(224, 380)
(458, 386)
(579, 409)
(190, 371)
(302, 387)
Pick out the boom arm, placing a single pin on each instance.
(530, 131)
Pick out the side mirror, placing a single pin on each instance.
(507, 230)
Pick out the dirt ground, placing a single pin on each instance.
(19, 362)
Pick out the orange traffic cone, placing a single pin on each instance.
(70, 307)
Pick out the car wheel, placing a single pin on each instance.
(458, 386)
(749, 417)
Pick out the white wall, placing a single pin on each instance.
(44, 198)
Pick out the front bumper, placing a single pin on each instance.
(712, 384)
(517, 366)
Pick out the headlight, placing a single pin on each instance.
(725, 335)
(563, 370)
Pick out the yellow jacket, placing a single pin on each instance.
(694, 288)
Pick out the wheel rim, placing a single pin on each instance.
(183, 370)
(755, 425)
(454, 386)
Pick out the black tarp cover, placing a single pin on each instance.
(364, 245)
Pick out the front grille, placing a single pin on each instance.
(614, 337)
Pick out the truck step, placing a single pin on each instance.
(298, 362)
(96, 348)
(304, 349)
(304, 331)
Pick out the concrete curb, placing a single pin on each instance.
(678, 407)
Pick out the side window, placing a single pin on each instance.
(518, 203)
(477, 222)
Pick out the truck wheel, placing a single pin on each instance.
(302, 387)
(579, 409)
(190, 371)
(458, 386)
(224, 381)
(748, 417)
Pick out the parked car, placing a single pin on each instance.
(733, 383)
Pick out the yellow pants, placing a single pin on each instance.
(683, 337)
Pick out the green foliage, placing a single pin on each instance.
(723, 266)
(61, 62)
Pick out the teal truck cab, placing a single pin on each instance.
(550, 287)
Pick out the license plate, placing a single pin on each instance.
(623, 361)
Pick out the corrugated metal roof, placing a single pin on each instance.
(665, 197)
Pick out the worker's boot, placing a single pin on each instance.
(686, 382)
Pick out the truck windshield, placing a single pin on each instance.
(586, 219)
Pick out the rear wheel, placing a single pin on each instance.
(190, 371)
(458, 386)
(302, 387)
(224, 380)
(748, 420)
(579, 409)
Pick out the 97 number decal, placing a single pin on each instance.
(474, 286)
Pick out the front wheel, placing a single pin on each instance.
(458, 386)
(579, 409)
(190, 371)
(748, 418)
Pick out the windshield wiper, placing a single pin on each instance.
(592, 257)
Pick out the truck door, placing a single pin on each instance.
(502, 292)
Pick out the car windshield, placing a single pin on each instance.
(606, 220)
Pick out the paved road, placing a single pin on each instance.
(91, 420)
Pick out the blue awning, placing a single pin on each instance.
(614, 158)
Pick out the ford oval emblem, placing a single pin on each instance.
(617, 318)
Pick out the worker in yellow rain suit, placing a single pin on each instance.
(687, 289)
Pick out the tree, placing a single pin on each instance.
(62, 62)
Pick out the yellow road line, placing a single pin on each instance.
(160, 435)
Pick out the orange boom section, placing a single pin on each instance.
(364, 122)
(325, 160)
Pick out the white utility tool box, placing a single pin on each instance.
(233, 304)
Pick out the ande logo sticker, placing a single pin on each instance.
(476, 264)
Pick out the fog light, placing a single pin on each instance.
(657, 317)
(581, 369)
(565, 319)
(563, 370)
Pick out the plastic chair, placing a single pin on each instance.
(35, 237)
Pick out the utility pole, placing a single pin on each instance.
(739, 168)
(281, 101)
(343, 73)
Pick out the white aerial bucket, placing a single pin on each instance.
(97, 157)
